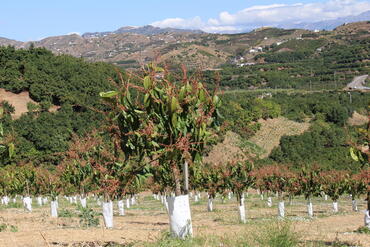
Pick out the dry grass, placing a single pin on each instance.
(268, 137)
(357, 119)
(228, 150)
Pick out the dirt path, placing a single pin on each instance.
(358, 83)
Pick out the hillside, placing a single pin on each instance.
(130, 47)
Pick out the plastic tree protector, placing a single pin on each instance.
(210, 204)
(121, 208)
(39, 200)
(83, 201)
(108, 214)
(354, 205)
(54, 208)
(27, 202)
(335, 207)
(127, 202)
(309, 208)
(269, 201)
(242, 210)
(367, 219)
(281, 209)
(179, 215)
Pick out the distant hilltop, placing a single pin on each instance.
(144, 30)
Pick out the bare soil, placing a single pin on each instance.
(357, 119)
(148, 220)
(19, 101)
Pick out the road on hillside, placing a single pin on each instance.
(358, 83)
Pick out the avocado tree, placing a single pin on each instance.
(277, 179)
(50, 185)
(360, 152)
(7, 148)
(334, 184)
(356, 185)
(211, 182)
(163, 118)
(238, 177)
(309, 181)
(76, 167)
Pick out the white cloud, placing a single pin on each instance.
(271, 15)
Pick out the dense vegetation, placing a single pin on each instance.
(301, 64)
(74, 85)
(64, 81)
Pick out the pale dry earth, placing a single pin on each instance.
(268, 137)
(148, 221)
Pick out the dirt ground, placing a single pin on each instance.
(147, 221)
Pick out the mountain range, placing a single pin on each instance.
(330, 24)
(130, 47)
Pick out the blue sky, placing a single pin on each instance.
(35, 19)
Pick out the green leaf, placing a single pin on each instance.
(147, 82)
(353, 154)
(11, 150)
(174, 120)
(108, 94)
(174, 104)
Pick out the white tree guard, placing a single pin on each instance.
(281, 209)
(54, 209)
(261, 197)
(210, 204)
(74, 199)
(199, 195)
(5, 200)
(108, 214)
(367, 219)
(14, 200)
(128, 203)
(39, 200)
(44, 200)
(242, 217)
(83, 201)
(180, 216)
(242, 214)
(335, 207)
(354, 205)
(326, 197)
(196, 198)
(121, 208)
(309, 209)
(27, 202)
(166, 204)
(269, 201)
(163, 199)
(133, 200)
(229, 195)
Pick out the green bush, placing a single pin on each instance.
(88, 217)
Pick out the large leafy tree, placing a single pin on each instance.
(164, 118)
